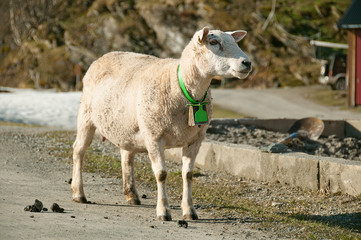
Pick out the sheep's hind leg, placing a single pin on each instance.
(156, 155)
(84, 138)
(188, 159)
(129, 189)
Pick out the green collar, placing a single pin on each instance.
(186, 94)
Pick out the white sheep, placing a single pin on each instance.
(136, 102)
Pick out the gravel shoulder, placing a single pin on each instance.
(28, 171)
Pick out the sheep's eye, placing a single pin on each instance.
(213, 42)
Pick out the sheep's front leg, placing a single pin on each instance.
(129, 189)
(188, 159)
(156, 155)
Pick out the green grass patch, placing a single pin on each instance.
(220, 112)
(333, 98)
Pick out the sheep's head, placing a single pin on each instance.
(218, 54)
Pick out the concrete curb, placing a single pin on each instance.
(296, 169)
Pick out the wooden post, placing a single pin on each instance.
(351, 66)
(77, 73)
(358, 67)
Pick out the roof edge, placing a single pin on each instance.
(350, 26)
(352, 17)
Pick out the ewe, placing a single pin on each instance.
(136, 102)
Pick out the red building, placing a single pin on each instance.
(351, 21)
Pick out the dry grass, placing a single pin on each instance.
(334, 98)
(15, 124)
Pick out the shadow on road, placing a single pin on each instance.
(348, 220)
(123, 205)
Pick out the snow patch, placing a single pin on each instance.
(46, 108)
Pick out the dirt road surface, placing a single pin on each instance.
(278, 103)
(28, 172)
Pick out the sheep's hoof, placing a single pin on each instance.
(165, 218)
(192, 216)
(133, 201)
(80, 200)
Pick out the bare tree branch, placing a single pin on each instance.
(270, 16)
(15, 31)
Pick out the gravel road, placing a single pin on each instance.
(30, 169)
(28, 172)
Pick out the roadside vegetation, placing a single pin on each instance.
(41, 48)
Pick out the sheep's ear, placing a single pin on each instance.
(238, 35)
(203, 34)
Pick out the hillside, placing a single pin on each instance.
(43, 41)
